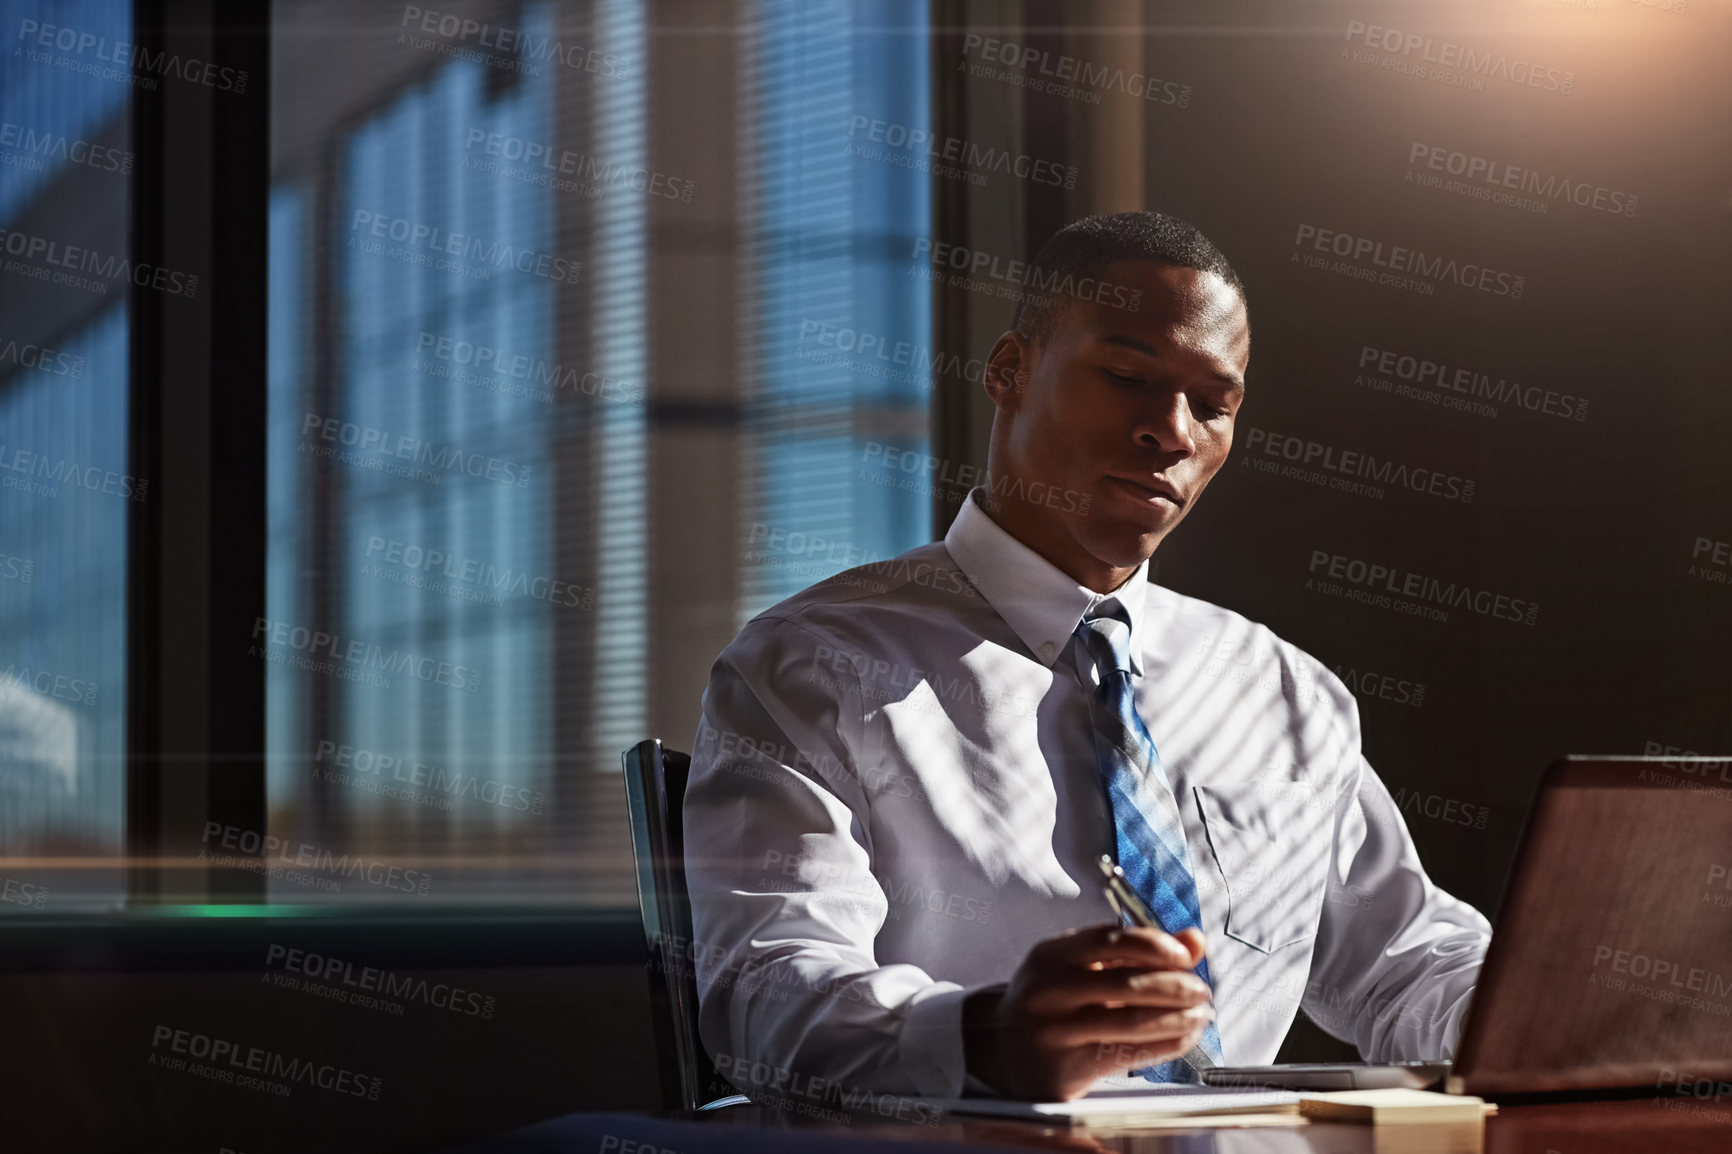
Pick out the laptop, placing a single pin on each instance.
(1611, 966)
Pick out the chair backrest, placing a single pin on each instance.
(655, 783)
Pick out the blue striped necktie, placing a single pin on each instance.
(1151, 838)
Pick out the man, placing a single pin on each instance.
(905, 776)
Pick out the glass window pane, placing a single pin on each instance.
(65, 481)
(539, 315)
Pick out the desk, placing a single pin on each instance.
(1631, 1126)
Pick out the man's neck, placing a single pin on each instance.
(1058, 548)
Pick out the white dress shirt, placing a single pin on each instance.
(893, 795)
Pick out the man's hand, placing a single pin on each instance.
(1094, 1001)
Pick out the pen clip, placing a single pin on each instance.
(1124, 900)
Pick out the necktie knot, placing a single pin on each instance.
(1106, 634)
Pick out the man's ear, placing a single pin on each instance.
(1007, 370)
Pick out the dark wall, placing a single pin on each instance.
(483, 1025)
(1576, 501)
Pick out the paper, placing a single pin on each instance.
(1148, 1101)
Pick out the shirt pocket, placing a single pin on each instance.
(1274, 857)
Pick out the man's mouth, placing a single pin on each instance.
(1151, 489)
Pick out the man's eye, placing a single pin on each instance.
(1123, 378)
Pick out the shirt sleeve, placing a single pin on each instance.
(785, 905)
(1396, 957)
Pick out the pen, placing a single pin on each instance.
(1124, 899)
(1132, 911)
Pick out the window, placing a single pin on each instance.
(481, 499)
(832, 262)
(65, 481)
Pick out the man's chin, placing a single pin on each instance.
(1129, 545)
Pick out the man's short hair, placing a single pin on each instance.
(1085, 248)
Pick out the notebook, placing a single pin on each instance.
(1392, 1107)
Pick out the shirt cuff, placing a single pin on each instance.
(931, 1046)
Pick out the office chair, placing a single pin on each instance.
(655, 787)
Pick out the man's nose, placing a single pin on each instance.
(1167, 424)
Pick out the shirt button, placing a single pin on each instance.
(1047, 649)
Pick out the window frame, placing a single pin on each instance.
(196, 548)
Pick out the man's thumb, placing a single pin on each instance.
(1192, 940)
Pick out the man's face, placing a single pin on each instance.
(1132, 409)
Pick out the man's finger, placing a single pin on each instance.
(1136, 1025)
(1123, 1057)
(1124, 985)
(1108, 945)
(1193, 940)
(1143, 1024)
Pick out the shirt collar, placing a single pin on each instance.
(1035, 598)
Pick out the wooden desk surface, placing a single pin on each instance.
(1631, 1126)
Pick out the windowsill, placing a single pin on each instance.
(238, 936)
